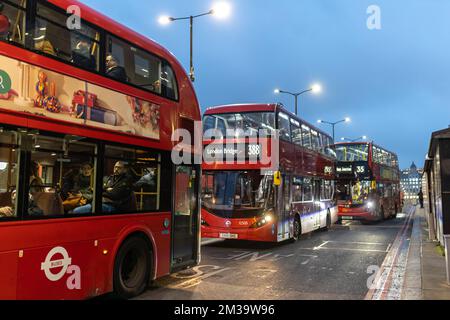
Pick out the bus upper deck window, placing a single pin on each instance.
(12, 21)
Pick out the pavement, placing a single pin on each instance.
(425, 276)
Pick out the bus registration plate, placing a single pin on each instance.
(347, 218)
(228, 235)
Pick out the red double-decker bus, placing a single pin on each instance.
(275, 186)
(90, 201)
(368, 182)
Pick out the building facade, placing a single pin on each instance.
(411, 182)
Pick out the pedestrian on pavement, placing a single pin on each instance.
(420, 194)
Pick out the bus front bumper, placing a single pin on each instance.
(267, 233)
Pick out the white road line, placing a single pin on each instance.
(196, 281)
(356, 242)
(344, 249)
(388, 247)
(320, 247)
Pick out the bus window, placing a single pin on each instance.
(297, 190)
(326, 192)
(315, 140)
(169, 84)
(141, 68)
(284, 127)
(51, 36)
(8, 174)
(307, 190)
(131, 180)
(209, 123)
(296, 133)
(12, 21)
(147, 71)
(306, 136)
(62, 175)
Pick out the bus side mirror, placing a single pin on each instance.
(277, 178)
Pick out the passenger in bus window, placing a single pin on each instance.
(117, 192)
(4, 24)
(117, 189)
(81, 55)
(36, 183)
(42, 43)
(148, 179)
(77, 189)
(9, 211)
(114, 70)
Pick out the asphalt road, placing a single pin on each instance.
(334, 264)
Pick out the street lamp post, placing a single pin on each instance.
(221, 10)
(333, 124)
(315, 89)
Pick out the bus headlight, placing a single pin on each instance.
(266, 219)
(370, 204)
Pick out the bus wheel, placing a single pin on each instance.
(297, 228)
(132, 268)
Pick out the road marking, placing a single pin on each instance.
(356, 242)
(197, 280)
(264, 273)
(389, 278)
(321, 246)
(253, 256)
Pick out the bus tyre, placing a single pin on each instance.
(132, 268)
(297, 228)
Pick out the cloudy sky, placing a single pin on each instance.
(394, 82)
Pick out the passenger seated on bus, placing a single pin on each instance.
(117, 192)
(4, 24)
(36, 183)
(147, 180)
(82, 57)
(76, 190)
(7, 210)
(113, 69)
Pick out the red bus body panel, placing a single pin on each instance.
(91, 243)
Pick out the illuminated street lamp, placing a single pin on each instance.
(220, 10)
(316, 89)
(354, 140)
(333, 124)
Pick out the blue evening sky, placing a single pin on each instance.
(394, 83)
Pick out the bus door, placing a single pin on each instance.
(284, 208)
(185, 223)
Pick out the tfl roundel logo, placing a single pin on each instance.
(56, 269)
